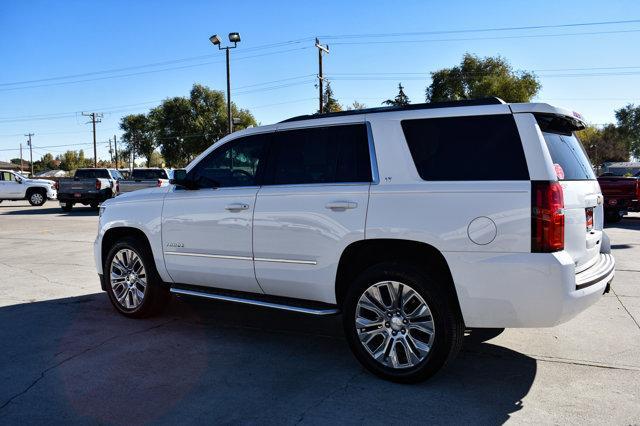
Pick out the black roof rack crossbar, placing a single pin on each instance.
(410, 107)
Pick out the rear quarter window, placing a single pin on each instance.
(92, 174)
(479, 148)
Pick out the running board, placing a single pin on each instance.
(285, 304)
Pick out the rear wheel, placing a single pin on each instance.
(133, 284)
(66, 207)
(37, 197)
(94, 206)
(401, 324)
(613, 216)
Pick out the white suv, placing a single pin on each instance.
(412, 222)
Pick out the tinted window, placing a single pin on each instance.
(92, 174)
(116, 174)
(234, 164)
(334, 154)
(486, 147)
(146, 174)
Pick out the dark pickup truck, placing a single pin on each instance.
(621, 195)
(88, 187)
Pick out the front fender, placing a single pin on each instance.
(143, 213)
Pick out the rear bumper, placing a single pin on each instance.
(526, 289)
(85, 198)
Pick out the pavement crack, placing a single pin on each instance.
(31, 271)
(625, 308)
(76, 355)
(343, 388)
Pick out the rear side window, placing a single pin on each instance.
(565, 149)
(335, 154)
(148, 174)
(485, 147)
(92, 174)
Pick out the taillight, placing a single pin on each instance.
(56, 186)
(589, 215)
(547, 217)
(98, 185)
(159, 184)
(117, 187)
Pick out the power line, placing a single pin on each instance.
(435, 40)
(477, 30)
(148, 71)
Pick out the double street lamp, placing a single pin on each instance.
(235, 39)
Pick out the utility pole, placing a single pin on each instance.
(110, 152)
(21, 162)
(115, 143)
(30, 151)
(321, 49)
(96, 117)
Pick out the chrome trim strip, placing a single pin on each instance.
(257, 259)
(213, 256)
(299, 309)
(301, 262)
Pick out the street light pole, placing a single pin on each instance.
(229, 117)
(235, 39)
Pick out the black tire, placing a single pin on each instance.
(156, 294)
(447, 321)
(37, 197)
(613, 216)
(66, 207)
(94, 206)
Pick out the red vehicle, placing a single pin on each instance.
(621, 195)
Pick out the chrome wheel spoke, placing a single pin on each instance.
(394, 324)
(128, 278)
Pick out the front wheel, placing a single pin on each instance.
(37, 198)
(133, 284)
(401, 324)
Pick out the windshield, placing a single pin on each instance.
(92, 174)
(148, 174)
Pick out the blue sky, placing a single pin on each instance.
(40, 40)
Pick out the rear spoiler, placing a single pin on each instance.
(571, 120)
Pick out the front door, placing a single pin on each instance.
(9, 187)
(207, 232)
(312, 205)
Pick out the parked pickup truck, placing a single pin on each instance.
(14, 186)
(359, 212)
(89, 187)
(146, 178)
(621, 195)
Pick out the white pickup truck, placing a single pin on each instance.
(412, 222)
(145, 178)
(14, 186)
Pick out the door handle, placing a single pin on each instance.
(236, 207)
(341, 205)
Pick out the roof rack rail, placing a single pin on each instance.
(410, 107)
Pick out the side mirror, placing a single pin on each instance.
(180, 178)
(18, 179)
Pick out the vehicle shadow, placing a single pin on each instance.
(34, 211)
(630, 222)
(76, 360)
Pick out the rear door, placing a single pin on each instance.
(312, 205)
(584, 215)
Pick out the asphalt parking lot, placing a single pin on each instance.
(68, 357)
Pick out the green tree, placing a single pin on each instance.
(138, 135)
(628, 119)
(605, 144)
(156, 160)
(184, 127)
(72, 160)
(355, 106)
(329, 103)
(477, 77)
(401, 98)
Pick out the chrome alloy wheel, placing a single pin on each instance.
(394, 324)
(36, 198)
(128, 278)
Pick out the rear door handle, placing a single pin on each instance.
(236, 207)
(341, 205)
